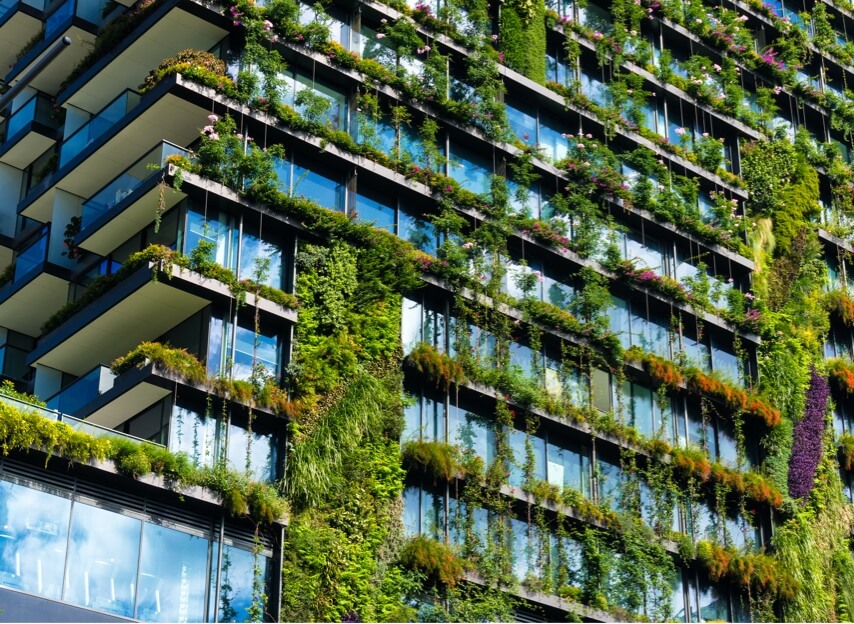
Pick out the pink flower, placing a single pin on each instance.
(214, 136)
(380, 36)
(213, 118)
(495, 37)
(268, 25)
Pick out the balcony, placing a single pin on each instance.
(141, 307)
(174, 26)
(75, 423)
(119, 135)
(81, 391)
(20, 21)
(144, 400)
(38, 287)
(28, 132)
(124, 205)
(78, 19)
(97, 126)
(134, 389)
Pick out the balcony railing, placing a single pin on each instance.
(129, 180)
(92, 11)
(13, 362)
(99, 124)
(32, 257)
(83, 390)
(11, 5)
(37, 109)
(75, 423)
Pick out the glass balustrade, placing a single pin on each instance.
(13, 362)
(83, 390)
(32, 257)
(98, 125)
(8, 6)
(96, 12)
(75, 423)
(129, 180)
(37, 109)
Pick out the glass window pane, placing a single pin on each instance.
(312, 185)
(172, 576)
(236, 579)
(375, 211)
(193, 433)
(472, 171)
(253, 452)
(33, 536)
(102, 563)
(419, 232)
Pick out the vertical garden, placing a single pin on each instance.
(594, 365)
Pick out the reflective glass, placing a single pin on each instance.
(102, 562)
(235, 596)
(261, 260)
(193, 433)
(172, 576)
(470, 170)
(254, 350)
(473, 434)
(318, 188)
(411, 510)
(418, 232)
(253, 452)
(33, 537)
(377, 212)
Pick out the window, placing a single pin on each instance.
(375, 209)
(240, 352)
(314, 182)
(239, 243)
(472, 171)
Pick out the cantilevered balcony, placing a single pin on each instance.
(74, 423)
(38, 287)
(28, 132)
(142, 306)
(124, 205)
(108, 400)
(20, 21)
(117, 136)
(97, 126)
(79, 20)
(173, 26)
(84, 389)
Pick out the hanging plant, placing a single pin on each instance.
(807, 446)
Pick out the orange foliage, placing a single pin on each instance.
(735, 398)
(842, 374)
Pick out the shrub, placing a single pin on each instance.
(437, 458)
(435, 560)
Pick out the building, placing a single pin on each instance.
(602, 249)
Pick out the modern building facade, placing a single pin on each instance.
(602, 250)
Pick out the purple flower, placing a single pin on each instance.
(806, 445)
